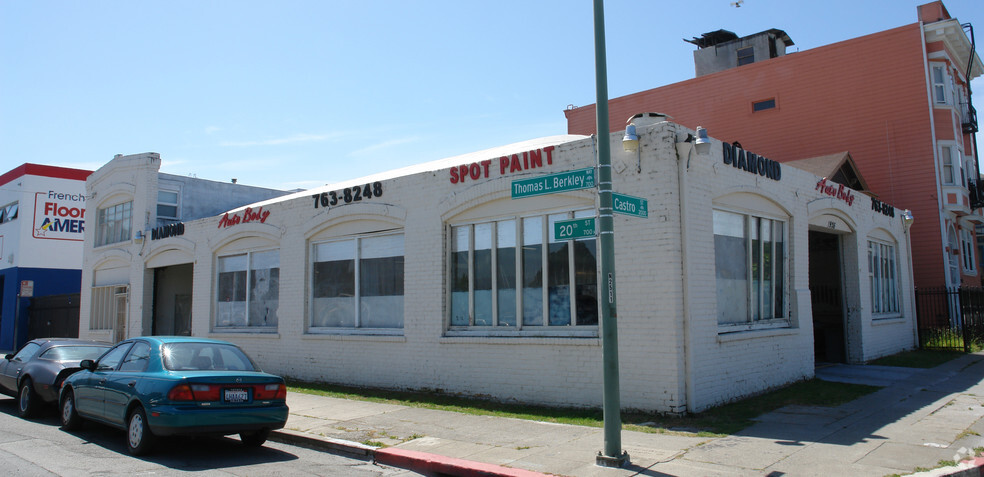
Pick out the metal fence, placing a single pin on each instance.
(950, 318)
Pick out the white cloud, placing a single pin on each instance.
(296, 138)
(385, 145)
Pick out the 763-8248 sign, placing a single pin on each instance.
(348, 195)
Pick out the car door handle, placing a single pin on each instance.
(103, 381)
(131, 383)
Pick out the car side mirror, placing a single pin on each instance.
(88, 364)
(8, 356)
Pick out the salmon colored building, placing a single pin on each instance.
(897, 102)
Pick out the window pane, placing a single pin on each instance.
(483, 274)
(779, 262)
(533, 271)
(586, 276)
(559, 278)
(767, 255)
(137, 359)
(459, 275)
(111, 359)
(334, 284)
(264, 295)
(947, 165)
(505, 261)
(586, 281)
(381, 282)
(167, 197)
(731, 267)
(231, 306)
(167, 210)
(756, 297)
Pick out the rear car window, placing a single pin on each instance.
(206, 357)
(74, 353)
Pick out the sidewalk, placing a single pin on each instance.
(919, 418)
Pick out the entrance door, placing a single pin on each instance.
(172, 300)
(826, 297)
(119, 331)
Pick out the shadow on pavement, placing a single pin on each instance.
(181, 453)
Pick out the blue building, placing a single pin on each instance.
(42, 222)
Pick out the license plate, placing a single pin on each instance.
(236, 395)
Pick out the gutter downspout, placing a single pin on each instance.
(688, 354)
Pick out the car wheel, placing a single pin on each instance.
(139, 439)
(69, 416)
(27, 399)
(254, 439)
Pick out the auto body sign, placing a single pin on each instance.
(59, 216)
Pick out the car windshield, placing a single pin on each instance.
(205, 357)
(74, 353)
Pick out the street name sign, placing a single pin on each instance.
(553, 183)
(630, 205)
(574, 229)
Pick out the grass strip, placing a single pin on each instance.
(721, 420)
(920, 358)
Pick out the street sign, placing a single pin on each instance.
(574, 229)
(553, 183)
(630, 205)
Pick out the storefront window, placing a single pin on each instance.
(113, 224)
(486, 262)
(882, 276)
(376, 284)
(248, 290)
(749, 257)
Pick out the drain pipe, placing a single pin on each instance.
(688, 353)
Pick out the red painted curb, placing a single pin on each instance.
(422, 461)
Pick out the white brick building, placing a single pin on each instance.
(433, 277)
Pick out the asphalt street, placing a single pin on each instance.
(41, 448)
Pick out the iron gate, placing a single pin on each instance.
(950, 318)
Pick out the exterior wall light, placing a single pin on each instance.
(703, 143)
(630, 142)
(907, 219)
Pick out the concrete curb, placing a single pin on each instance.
(311, 441)
(442, 465)
(966, 468)
(406, 459)
(969, 468)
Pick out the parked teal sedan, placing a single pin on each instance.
(164, 386)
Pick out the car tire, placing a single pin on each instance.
(70, 418)
(254, 439)
(139, 438)
(27, 399)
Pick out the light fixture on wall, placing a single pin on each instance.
(630, 142)
(907, 219)
(138, 237)
(703, 143)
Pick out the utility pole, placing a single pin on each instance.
(612, 456)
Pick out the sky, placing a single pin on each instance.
(295, 94)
